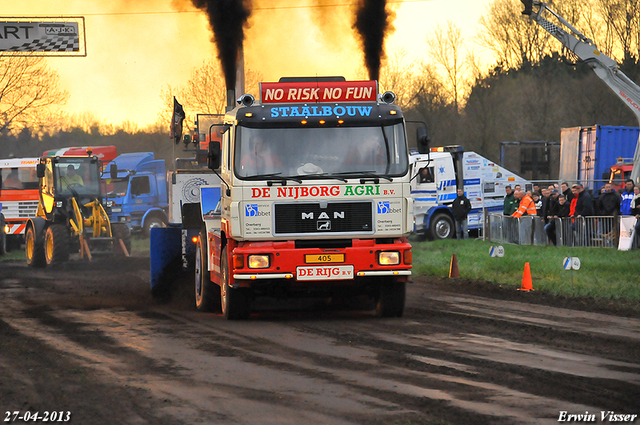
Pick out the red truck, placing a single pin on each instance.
(315, 199)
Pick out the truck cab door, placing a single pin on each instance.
(141, 192)
(445, 177)
(423, 190)
(47, 187)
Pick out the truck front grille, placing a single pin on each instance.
(27, 209)
(332, 217)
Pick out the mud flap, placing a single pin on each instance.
(165, 258)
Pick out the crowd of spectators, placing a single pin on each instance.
(559, 201)
(573, 202)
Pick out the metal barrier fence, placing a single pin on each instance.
(598, 231)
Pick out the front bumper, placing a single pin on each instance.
(288, 262)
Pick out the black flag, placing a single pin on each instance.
(176, 121)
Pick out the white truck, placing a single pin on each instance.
(435, 176)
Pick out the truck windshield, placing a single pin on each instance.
(116, 187)
(81, 178)
(316, 152)
(19, 178)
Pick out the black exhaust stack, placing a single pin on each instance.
(373, 22)
(227, 20)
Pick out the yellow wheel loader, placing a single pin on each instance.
(71, 216)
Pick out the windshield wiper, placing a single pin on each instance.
(329, 175)
(275, 176)
(366, 174)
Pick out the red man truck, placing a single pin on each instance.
(314, 199)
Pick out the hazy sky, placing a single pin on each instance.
(135, 48)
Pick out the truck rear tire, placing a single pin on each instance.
(34, 251)
(121, 231)
(3, 237)
(441, 227)
(207, 292)
(56, 244)
(235, 304)
(391, 299)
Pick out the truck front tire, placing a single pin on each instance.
(391, 299)
(207, 292)
(235, 303)
(151, 222)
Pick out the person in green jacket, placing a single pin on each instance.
(510, 203)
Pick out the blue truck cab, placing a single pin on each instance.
(136, 187)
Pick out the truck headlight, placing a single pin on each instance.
(6, 229)
(110, 204)
(258, 261)
(388, 258)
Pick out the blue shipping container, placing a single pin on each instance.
(587, 153)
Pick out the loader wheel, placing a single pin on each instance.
(121, 231)
(56, 244)
(235, 304)
(391, 298)
(441, 227)
(207, 292)
(34, 251)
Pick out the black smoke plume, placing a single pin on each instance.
(227, 19)
(372, 22)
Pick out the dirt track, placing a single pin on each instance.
(89, 339)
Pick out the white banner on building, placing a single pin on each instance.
(627, 232)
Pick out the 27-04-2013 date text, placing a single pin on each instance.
(46, 416)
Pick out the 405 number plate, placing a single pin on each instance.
(323, 258)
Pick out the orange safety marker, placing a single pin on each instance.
(453, 268)
(526, 279)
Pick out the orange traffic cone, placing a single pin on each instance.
(453, 268)
(526, 279)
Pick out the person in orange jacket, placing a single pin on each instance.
(527, 206)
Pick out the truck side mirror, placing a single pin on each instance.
(423, 139)
(213, 157)
(40, 170)
(113, 171)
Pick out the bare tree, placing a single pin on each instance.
(622, 23)
(432, 104)
(28, 90)
(514, 39)
(204, 93)
(446, 47)
(399, 76)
